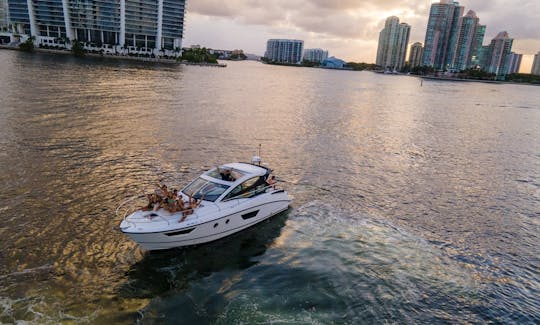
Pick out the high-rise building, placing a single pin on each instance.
(3, 14)
(18, 16)
(514, 62)
(284, 50)
(393, 42)
(441, 33)
(476, 54)
(466, 40)
(483, 53)
(499, 51)
(95, 22)
(536, 65)
(315, 55)
(453, 41)
(415, 57)
(149, 26)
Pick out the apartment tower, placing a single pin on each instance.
(477, 54)
(393, 42)
(154, 26)
(415, 57)
(315, 55)
(514, 62)
(441, 34)
(536, 65)
(499, 52)
(284, 50)
(3, 14)
(466, 40)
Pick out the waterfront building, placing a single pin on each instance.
(514, 62)
(393, 42)
(466, 40)
(224, 54)
(476, 55)
(19, 20)
(499, 52)
(115, 26)
(333, 63)
(415, 57)
(442, 34)
(3, 15)
(315, 55)
(483, 53)
(536, 65)
(284, 51)
(453, 42)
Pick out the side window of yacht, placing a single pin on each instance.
(244, 188)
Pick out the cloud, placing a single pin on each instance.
(345, 18)
(355, 22)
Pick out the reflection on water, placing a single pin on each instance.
(412, 204)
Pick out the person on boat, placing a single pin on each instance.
(162, 190)
(271, 181)
(172, 201)
(180, 206)
(150, 205)
(226, 174)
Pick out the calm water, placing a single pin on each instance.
(412, 204)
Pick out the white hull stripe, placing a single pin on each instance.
(216, 234)
(200, 224)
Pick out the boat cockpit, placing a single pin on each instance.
(242, 183)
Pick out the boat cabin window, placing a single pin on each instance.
(249, 188)
(235, 173)
(207, 190)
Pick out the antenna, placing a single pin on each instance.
(257, 159)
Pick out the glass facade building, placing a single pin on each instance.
(466, 40)
(172, 23)
(122, 26)
(440, 33)
(476, 55)
(3, 14)
(94, 21)
(49, 18)
(498, 55)
(18, 16)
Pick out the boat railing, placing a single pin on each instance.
(129, 209)
(161, 217)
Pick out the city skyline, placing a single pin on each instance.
(348, 29)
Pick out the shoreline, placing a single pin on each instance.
(500, 82)
(115, 57)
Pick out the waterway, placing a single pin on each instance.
(413, 202)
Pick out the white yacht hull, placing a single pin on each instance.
(209, 223)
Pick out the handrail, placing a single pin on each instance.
(164, 219)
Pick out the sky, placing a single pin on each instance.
(348, 29)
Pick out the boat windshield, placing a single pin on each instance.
(207, 190)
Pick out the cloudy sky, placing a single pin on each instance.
(349, 29)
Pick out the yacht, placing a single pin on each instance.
(232, 197)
